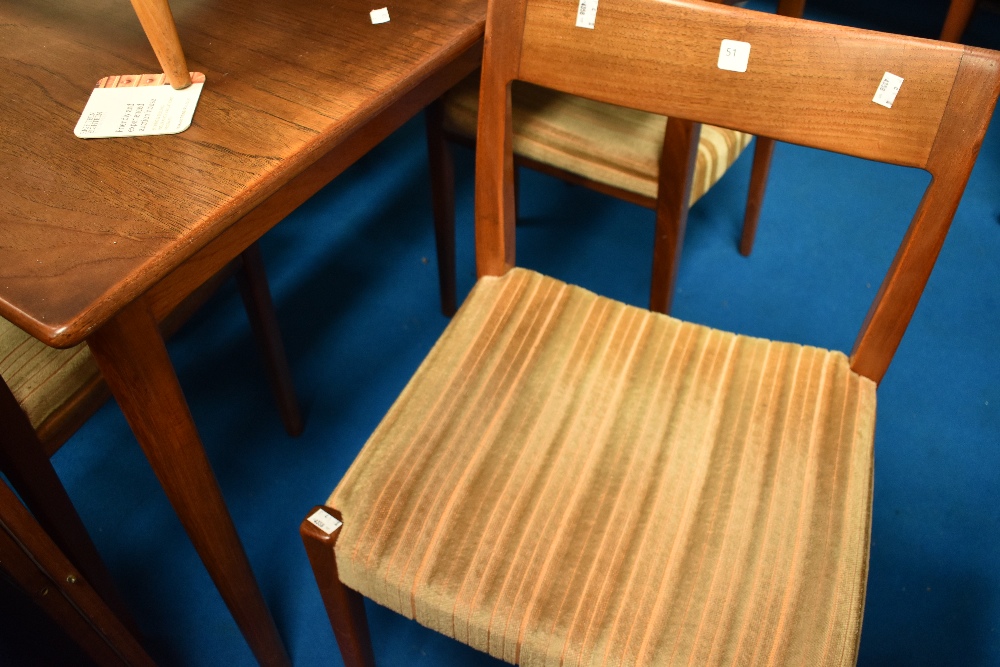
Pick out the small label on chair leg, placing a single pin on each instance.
(324, 521)
(887, 90)
(586, 12)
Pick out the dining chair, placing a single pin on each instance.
(570, 480)
(33, 562)
(622, 152)
(46, 394)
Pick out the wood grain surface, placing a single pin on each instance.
(806, 83)
(87, 226)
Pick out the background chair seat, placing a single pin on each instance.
(600, 142)
(46, 381)
(567, 477)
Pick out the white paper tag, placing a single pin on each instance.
(586, 13)
(887, 90)
(734, 55)
(324, 521)
(379, 15)
(138, 111)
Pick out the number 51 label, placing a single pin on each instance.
(734, 56)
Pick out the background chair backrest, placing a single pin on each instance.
(806, 83)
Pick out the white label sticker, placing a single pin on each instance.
(379, 15)
(324, 521)
(586, 13)
(887, 90)
(734, 56)
(138, 112)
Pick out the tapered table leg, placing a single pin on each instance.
(133, 359)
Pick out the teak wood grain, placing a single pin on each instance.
(804, 85)
(88, 226)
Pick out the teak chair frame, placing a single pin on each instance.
(32, 560)
(677, 158)
(808, 83)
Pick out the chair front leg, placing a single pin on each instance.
(344, 606)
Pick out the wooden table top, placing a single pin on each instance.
(87, 226)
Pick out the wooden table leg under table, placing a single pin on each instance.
(133, 359)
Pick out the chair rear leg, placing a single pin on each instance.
(959, 14)
(344, 606)
(442, 170)
(256, 294)
(680, 151)
(755, 200)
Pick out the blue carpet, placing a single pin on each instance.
(354, 278)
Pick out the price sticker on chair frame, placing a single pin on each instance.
(734, 55)
(887, 90)
(586, 13)
(325, 521)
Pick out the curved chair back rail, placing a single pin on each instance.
(806, 83)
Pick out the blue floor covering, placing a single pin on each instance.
(353, 275)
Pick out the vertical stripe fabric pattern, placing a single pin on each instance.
(42, 379)
(568, 480)
(601, 142)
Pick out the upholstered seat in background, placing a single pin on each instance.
(46, 381)
(601, 142)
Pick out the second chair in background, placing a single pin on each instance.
(632, 155)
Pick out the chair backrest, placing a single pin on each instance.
(805, 83)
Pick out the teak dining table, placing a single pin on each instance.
(100, 238)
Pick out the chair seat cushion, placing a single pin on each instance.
(43, 379)
(601, 142)
(569, 480)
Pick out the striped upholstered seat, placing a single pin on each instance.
(44, 380)
(600, 142)
(640, 490)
